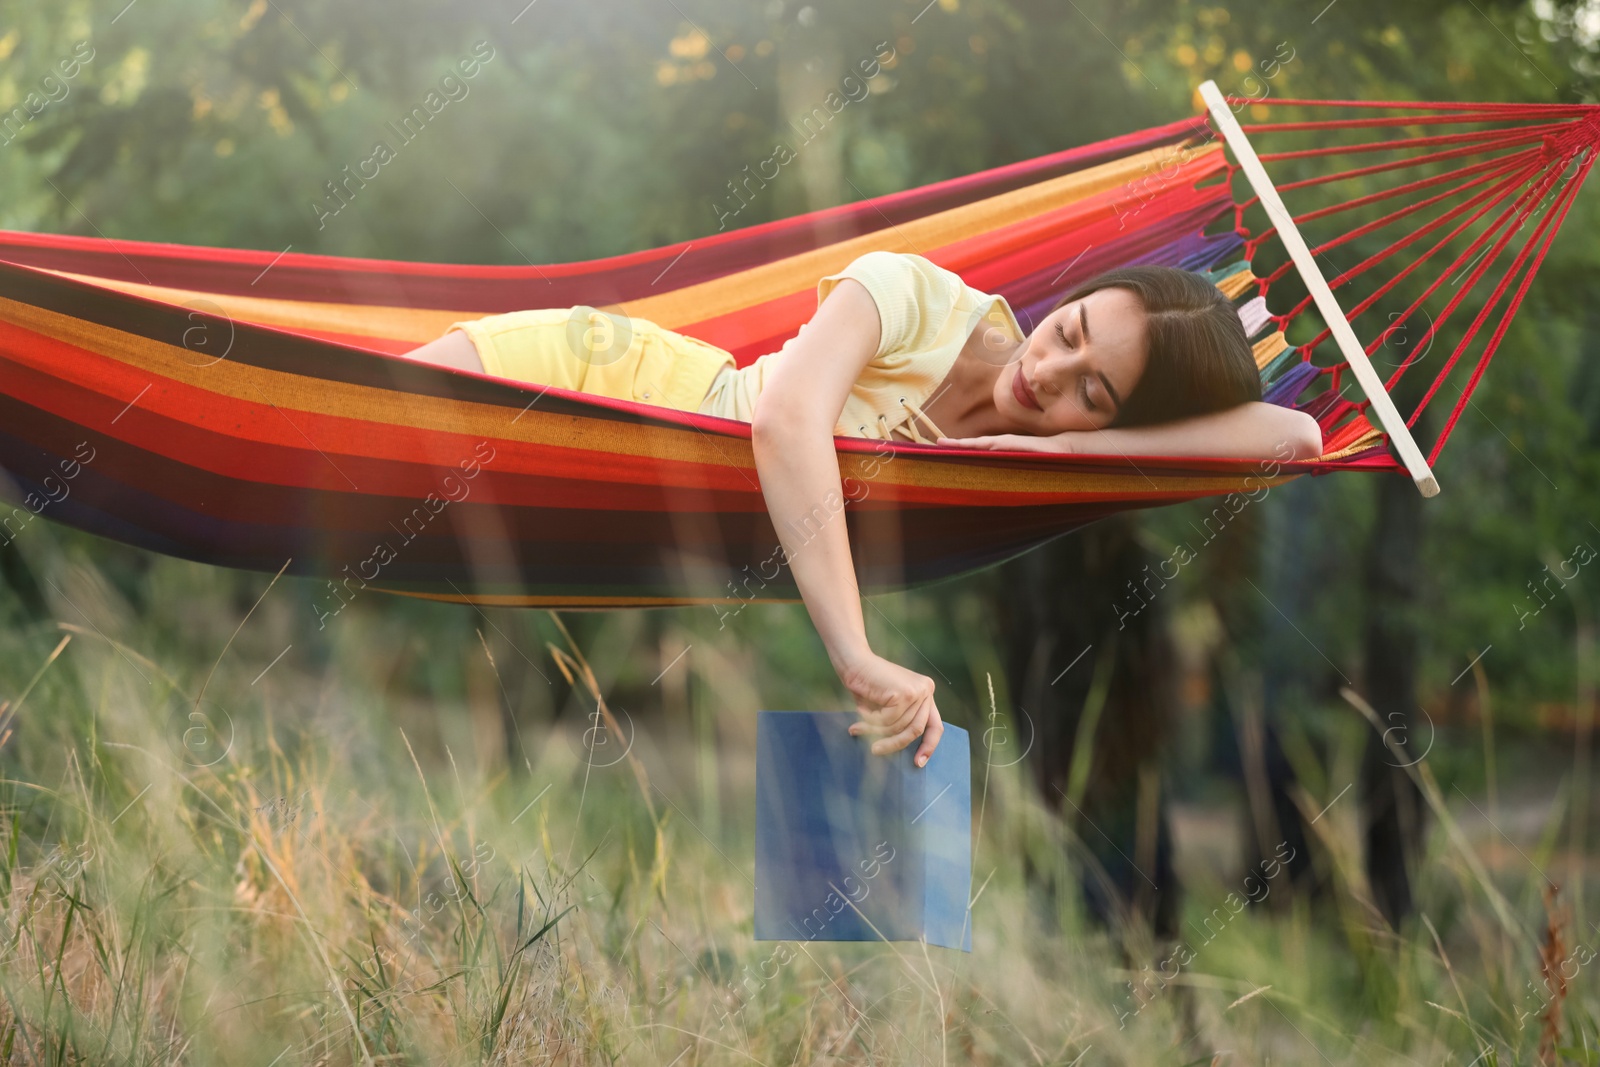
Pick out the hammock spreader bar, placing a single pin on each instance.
(1327, 303)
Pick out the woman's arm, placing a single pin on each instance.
(1256, 430)
(792, 436)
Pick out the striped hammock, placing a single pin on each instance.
(247, 408)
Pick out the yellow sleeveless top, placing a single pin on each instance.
(927, 313)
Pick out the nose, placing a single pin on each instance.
(1052, 372)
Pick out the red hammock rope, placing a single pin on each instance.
(1468, 198)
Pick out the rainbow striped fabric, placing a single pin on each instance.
(246, 408)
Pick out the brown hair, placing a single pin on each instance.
(1199, 359)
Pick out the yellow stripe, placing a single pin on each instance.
(1267, 349)
(1236, 283)
(694, 303)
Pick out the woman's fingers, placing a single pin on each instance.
(880, 725)
(884, 746)
(1010, 442)
(930, 738)
(894, 711)
(895, 704)
(881, 729)
(893, 719)
(926, 722)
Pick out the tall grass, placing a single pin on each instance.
(386, 846)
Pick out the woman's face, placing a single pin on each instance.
(1077, 367)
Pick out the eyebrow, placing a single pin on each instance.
(1083, 325)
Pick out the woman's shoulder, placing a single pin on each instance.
(912, 293)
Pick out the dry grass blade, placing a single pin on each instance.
(1552, 954)
(1248, 996)
(576, 660)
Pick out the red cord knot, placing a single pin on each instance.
(1579, 135)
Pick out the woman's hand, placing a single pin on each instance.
(1015, 442)
(896, 706)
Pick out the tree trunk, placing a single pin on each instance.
(1391, 804)
(1056, 609)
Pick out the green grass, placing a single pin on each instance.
(342, 860)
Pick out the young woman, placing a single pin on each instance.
(1140, 360)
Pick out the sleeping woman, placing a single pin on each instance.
(1137, 361)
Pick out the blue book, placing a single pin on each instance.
(856, 847)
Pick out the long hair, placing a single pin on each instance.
(1199, 359)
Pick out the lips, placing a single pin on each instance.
(1023, 391)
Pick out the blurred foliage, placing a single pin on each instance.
(596, 129)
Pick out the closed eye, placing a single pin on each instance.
(1062, 333)
(1083, 388)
